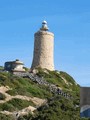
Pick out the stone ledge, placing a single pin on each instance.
(44, 33)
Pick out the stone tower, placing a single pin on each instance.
(43, 48)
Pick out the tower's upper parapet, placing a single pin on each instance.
(44, 30)
(44, 26)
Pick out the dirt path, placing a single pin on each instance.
(16, 114)
(65, 80)
(35, 100)
(20, 112)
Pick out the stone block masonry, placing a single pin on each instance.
(43, 49)
(85, 102)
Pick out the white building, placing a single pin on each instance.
(14, 66)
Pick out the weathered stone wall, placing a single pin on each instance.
(43, 50)
(84, 96)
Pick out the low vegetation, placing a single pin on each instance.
(1, 68)
(57, 107)
(23, 86)
(2, 96)
(6, 117)
(15, 104)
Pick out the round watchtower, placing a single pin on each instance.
(43, 48)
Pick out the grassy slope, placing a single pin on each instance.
(15, 104)
(23, 86)
(5, 117)
(59, 107)
(56, 78)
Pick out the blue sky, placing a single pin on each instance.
(69, 20)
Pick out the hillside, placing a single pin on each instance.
(46, 95)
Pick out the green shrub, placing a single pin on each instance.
(15, 104)
(6, 117)
(2, 96)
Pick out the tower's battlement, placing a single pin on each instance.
(43, 48)
(44, 33)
